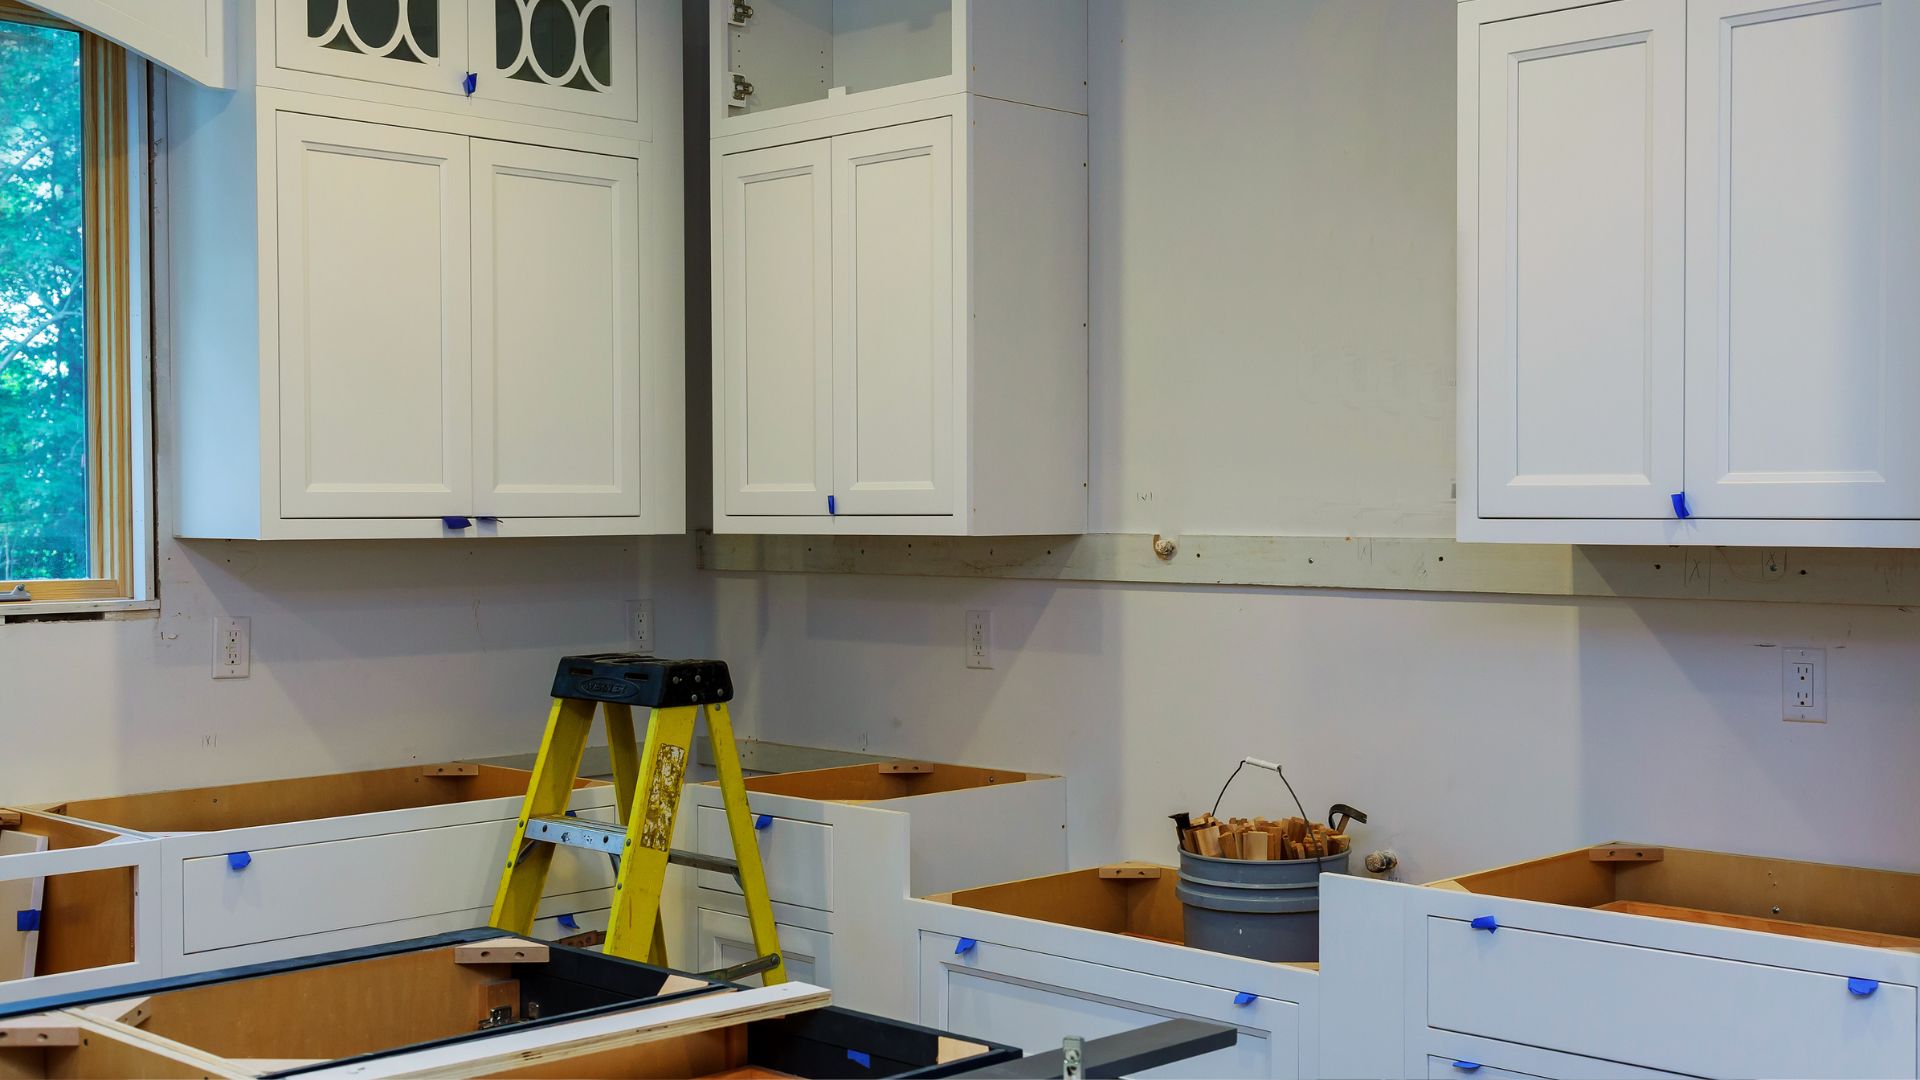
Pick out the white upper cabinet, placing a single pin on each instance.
(399, 311)
(556, 333)
(1803, 259)
(190, 37)
(374, 320)
(900, 267)
(893, 320)
(1689, 256)
(775, 355)
(1581, 165)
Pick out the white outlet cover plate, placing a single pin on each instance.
(1815, 713)
(979, 639)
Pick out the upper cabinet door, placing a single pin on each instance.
(374, 318)
(1803, 252)
(556, 333)
(775, 438)
(417, 43)
(576, 55)
(1579, 331)
(893, 341)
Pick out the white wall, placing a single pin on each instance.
(1273, 353)
(365, 655)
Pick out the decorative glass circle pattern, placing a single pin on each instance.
(406, 30)
(556, 42)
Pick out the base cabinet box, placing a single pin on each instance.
(1097, 951)
(1623, 960)
(473, 1003)
(284, 868)
(844, 849)
(79, 906)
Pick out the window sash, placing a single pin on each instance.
(110, 304)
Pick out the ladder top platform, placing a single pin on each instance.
(633, 679)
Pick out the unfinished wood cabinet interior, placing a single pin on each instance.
(1688, 250)
(282, 868)
(400, 311)
(1098, 951)
(1721, 965)
(843, 850)
(81, 906)
(900, 273)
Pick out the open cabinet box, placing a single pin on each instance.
(843, 848)
(1716, 963)
(1098, 951)
(281, 868)
(80, 905)
(469, 1004)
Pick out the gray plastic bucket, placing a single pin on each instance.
(1264, 910)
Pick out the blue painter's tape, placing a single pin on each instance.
(1862, 987)
(764, 821)
(470, 83)
(1244, 998)
(569, 922)
(28, 920)
(830, 509)
(457, 522)
(487, 520)
(1467, 1066)
(238, 860)
(964, 946)
(1680, 505)
(865, 1061)
(1487, 923)
(573, 813)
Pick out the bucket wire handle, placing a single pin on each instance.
(1272, 767)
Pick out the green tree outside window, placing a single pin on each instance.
(43, 351)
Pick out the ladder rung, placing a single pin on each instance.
(580, 833)
(612, 839)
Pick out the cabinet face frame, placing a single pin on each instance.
(297, 138)
(620, 396)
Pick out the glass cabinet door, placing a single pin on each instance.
(575, 55)
(414, 43)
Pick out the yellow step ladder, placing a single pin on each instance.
(646, 784)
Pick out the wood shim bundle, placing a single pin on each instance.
(1260, 839)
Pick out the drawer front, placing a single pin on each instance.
(304, 889)
(726, 939)
(1032, 999)
(798, 856)
(1663, 1010)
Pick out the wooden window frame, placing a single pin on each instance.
(111, 302)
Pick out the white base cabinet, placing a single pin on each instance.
(278, 869)
(396, 311)
(843, 850)
(1028, 962)
(1688, 248)
(1526, 969)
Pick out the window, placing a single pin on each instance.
(67, 421)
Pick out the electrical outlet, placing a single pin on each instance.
(1803, 685)
(979, 639)
(640, 625)
(232, 647)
